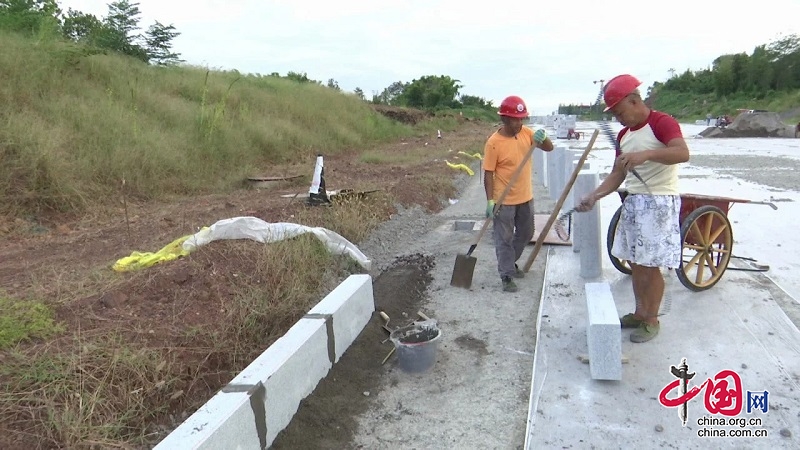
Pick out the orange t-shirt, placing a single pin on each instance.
(502, 155)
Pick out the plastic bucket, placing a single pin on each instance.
(416, 346)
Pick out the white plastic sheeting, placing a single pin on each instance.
(259, 230)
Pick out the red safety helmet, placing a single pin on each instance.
(618, 88)
(513, 106)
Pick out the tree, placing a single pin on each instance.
(724, 77)
(123, 16)
(785, 46)
(430, 92)
(300, 77)
(786, 62)
(738, 68)
(28, 16)
(359, 93)
(80, 27)
(120, 25)
(390, 94)
(479, 102)
(333, 84)
(159, 44)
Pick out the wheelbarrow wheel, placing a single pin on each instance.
(707, 243)
(618, 264)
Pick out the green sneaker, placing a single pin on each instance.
(645, 332)
(509, 285)
(518, 273)
(630, 321)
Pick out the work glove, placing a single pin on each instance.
(539, 136)
(490, 208)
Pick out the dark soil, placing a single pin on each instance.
(326, 418)
(404, 115)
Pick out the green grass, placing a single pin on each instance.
(89, 394)
(75, 124)
(22, 320)
(473, 113)
(371, 157)
(689, 106)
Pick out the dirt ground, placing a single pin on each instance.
(67, 261)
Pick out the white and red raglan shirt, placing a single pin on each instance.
(653, 134)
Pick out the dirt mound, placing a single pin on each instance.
(755, 124)
(405, 115)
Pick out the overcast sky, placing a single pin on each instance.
(547, 54)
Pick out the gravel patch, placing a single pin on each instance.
(392, 238)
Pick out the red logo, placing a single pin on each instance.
(723, 393)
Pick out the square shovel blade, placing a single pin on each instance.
(463, 271)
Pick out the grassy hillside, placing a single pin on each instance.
(73, 125)
(689, 106)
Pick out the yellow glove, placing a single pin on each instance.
(490, 208)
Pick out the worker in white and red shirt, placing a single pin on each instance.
(648, 236)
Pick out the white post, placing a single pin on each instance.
(539, 173)
(564, 161)
(570, 162)
(316, 180)
(560, 155)
(552, 173)
(577, 196)
(590, 232)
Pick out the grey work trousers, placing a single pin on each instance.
(513, 230)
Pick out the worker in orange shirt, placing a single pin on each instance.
(513, 223)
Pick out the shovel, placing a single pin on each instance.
(465, 264)
(560, 203)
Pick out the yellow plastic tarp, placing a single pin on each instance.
(460, 167)
(477, 155)
(141, 260)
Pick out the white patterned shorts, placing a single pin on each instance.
(648, 232)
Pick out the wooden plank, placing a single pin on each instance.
(286, 178)
(552, 238)
(712, 198)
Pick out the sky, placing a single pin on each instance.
(548, 53)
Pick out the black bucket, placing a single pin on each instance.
(416, 346)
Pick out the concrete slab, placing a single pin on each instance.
(262, 399)
(738, 326)
(602, 333)
(347, 310)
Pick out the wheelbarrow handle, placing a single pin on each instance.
(770, 204)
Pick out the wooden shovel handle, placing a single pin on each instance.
(499, 203)
(560, 202)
